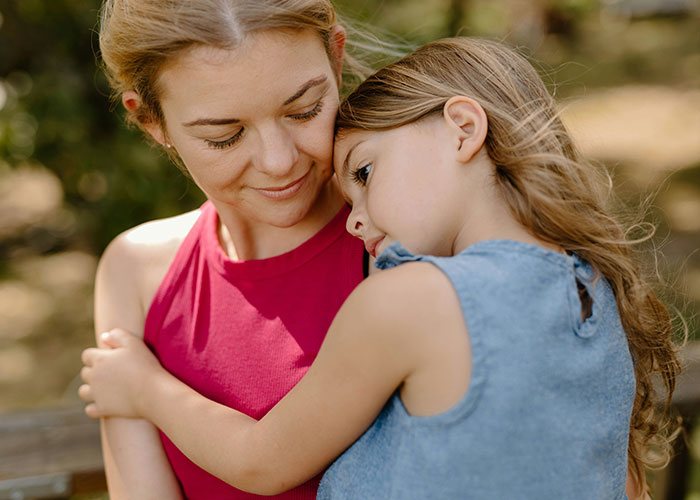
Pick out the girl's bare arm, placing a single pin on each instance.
(385, 334)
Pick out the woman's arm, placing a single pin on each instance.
(135, 462)
(385, 335)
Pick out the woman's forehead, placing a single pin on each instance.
(266, 59)
(266, 70)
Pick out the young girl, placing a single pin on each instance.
(511, 333)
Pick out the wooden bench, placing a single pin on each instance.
(49, 454)
(55, 453)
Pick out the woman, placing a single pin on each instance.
(234, 298)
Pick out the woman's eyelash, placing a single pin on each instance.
(361, 175)
(227, 143)
(231, 141)
(309, 114)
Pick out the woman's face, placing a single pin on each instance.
(254, 125)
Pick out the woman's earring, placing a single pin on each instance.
(168, 145)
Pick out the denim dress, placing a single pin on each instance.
(547, 411)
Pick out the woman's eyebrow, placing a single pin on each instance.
(230, 121)
(212, 121)
(305, 87)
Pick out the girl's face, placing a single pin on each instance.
(403, 185)
(254, 125)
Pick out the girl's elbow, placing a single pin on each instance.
(274, 488)
(265, 486)
(260, 481)
(263, 469)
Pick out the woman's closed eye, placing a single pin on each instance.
(308, 114)
(225, 143)
(361, 175)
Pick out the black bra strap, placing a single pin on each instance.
(365, 263)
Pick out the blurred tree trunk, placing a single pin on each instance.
(528, 21)
(533, 20)
(456, 15)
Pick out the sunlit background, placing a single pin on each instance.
(72, 176)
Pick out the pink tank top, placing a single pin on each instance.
(244, 333)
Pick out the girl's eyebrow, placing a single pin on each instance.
(346, 162)
(229, 121)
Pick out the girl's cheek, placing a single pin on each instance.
(374, 208)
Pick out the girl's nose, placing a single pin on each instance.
(277, 152)
(355, 224)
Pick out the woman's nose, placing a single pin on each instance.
(278, 151)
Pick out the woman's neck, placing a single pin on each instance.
(245, 239)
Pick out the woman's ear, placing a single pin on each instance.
(468, 122)
(336, 41)
(132, 102)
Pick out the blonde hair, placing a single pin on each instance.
(137, 37)
(549, 188)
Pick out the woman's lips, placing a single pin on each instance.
(283, 192)
(372, 245)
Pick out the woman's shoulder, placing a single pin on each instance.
(152, 240)
(155, 237)
(138, 259)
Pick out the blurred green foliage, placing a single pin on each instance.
(55, 108)
(57, 113)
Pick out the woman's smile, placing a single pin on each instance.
(283, 192)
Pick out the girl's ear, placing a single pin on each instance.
(336, 40)
(132, 102)
(468, 123)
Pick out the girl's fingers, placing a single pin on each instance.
(105, 340)
(114, 338)
(85, 374)
(85, 393)
(88, 356)
(92, 411)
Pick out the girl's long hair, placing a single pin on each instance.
(550, 190)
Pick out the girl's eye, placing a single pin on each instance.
(227, 143)
(309, 114)
(362, 174)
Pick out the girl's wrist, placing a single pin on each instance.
(155, 396)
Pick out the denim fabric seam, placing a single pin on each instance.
(584, 273)
(519, 248)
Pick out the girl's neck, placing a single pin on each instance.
(487, 216)
(244, 239)
(506, 228)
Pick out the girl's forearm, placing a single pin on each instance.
(217, 438)
(362, 361)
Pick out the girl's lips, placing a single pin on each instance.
(371, 245)
(284, 192)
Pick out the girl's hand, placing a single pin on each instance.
(116, 375)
